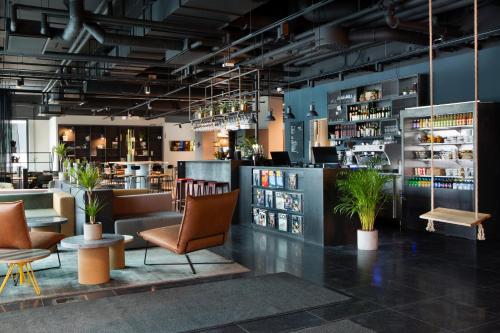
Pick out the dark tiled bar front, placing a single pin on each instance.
(249, 166)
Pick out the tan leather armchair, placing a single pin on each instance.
(205, 224)
(16, 235)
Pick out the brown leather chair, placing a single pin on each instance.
(16, 235)
(205, 224)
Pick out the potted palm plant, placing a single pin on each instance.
(89, 179)
(361, 193)
(60, 150)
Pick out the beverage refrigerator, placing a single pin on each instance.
(454, 170)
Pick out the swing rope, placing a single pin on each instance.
(430, 222)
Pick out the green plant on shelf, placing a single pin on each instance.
(246, 147)
(361, 193)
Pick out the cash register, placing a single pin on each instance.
(325, 157)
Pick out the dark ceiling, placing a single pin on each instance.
(102, 56)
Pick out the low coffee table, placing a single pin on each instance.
(93, 256)
(117, 253)
(22, 259)
(49, 223)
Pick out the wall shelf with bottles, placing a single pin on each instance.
(453, 163)
(375, 106)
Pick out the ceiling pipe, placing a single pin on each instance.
(89, 57)
(75, 22)
(117, 40)
(78, 43)
(398, 57)
(253, 35)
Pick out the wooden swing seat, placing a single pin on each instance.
(455, 216)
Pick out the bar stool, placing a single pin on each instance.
(200, 187)
(180, 192)
(218, 187)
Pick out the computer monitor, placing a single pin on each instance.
(325, 155)
(280, 158)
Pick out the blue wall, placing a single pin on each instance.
(453, 82)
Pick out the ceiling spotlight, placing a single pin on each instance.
(149, 106)
(20, 82)
(270, 116)
(147, 89)
(279, 89)
(81, 103)
(289, 114)
(312, 112)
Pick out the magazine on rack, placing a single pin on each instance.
(279, 179)
(292, 181)
(264, 175)
(279, 200)
(269, 199)
(297, 225)
(282, 222)
(256, 177)
(263, 217)
(260, 197)
(271, 219)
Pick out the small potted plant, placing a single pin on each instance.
(244, 105)
(361, 193)
(89, 179)
(66, 166)
(222, 107)
(60, 150)
(246, 148)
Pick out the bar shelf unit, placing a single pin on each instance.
(395, 95)
(453, 165)
(108, 143)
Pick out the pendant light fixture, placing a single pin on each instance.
(289, 114)
(312, 112)
(270, 116)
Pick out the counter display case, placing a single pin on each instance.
(453, 143)
(295, 203)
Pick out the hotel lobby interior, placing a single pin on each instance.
(249, 166)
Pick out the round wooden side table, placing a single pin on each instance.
(117, 253)
(93, 257)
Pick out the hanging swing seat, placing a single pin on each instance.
(455, 216)
(458, 217)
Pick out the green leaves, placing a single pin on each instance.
(60, 150)
(92, 208)
(361, 192)
(88, 177)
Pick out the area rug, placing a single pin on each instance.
(341, 326)
(64, 281)
(178, 309)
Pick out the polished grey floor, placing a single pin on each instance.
(415, 282)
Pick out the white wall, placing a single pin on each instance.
(170, 132)
(39, 135)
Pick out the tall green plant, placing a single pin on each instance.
(60, 150)
(89, 178)
(361, 192)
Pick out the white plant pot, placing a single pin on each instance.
(367, 240)
(92, 231)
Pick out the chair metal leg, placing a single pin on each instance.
(189, 262)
